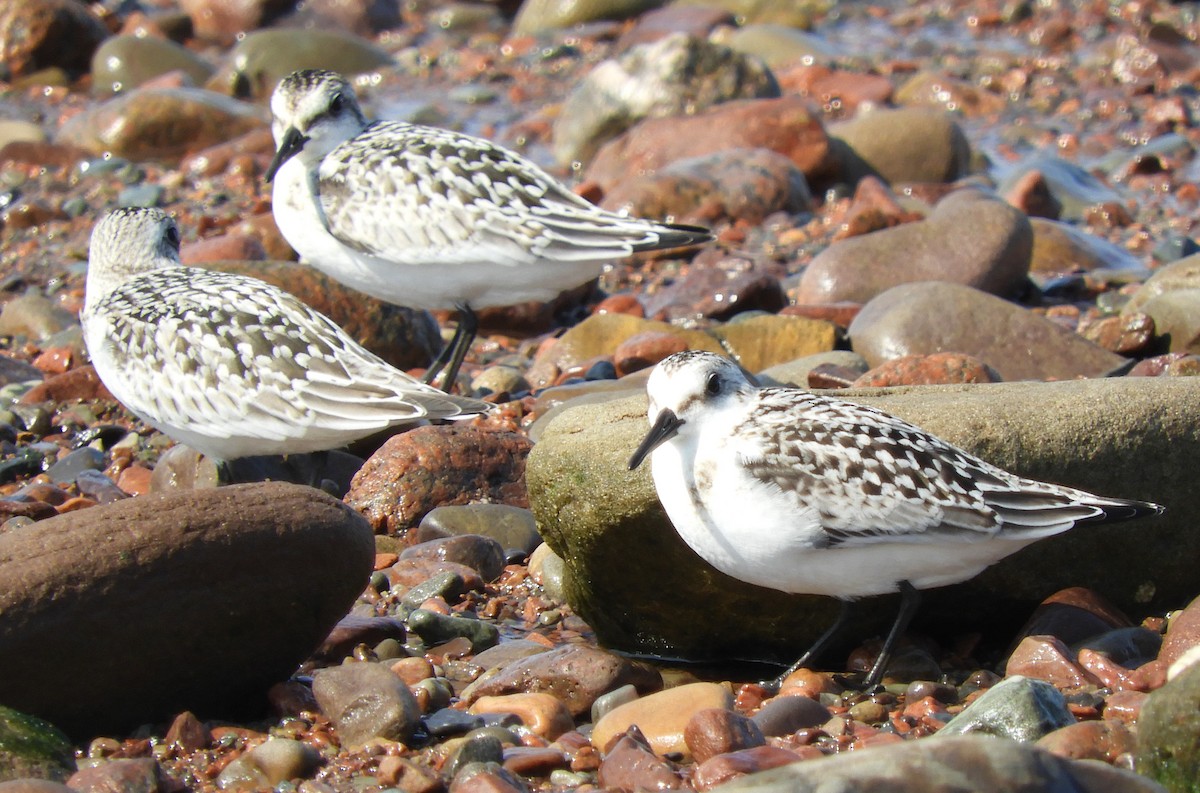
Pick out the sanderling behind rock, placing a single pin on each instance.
(230, 365)
(803, 493)
(434, 219)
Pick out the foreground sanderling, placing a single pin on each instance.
(804, 493)
(433, 219)
(230, 365)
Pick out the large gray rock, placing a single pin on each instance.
(631, 577)
(1017, 707)
(198, 600)
(919, 319)
(676, 74)
(955, 765)
(970, 238)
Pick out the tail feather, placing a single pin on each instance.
(677, 235)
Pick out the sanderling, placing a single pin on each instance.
(230, 365)
(434, 219)
(804, 493)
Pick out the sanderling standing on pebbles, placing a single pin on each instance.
(804, 493)
(434, 219)
(230, 365)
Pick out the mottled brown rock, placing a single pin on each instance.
(34, 786)
(85, 587)
(939, 367)
(834, 89)
(970, 238)
(786, 126)
(875, 207)
(366, 701)
(718, 288)
(1031, 194)
(911, 319)
(80, 383)
(39, 34)
(482, 554)
(1127, 334)
(938, 90)
(222, 20)
(674, 18)
(644, 350)
(575, 674)
(629, 765)
(188, 733)
(1183, 633)
(121, 774)
(723, 187)
(715, 731)
(159, 123)
(223, 247)
(433, 466)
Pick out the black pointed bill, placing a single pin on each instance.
(291, 144)
(665, 427)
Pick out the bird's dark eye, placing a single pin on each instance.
(712, 386)
(173, 236)
(336, 104)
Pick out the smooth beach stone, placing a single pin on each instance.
(1018, 708)
(31, 747)
(1178, 276)
(674, 74)
(911, 320)
(125, 62)
(1060, 248)
(366, 701)
(780, 45)
(1072, 186)
(768, 340)
(662, 716)
(19, 131)
(1124, 437)
(264, 57)
(944, 766)
(970, 238)
(512, 527)
(934, 88)
(751, 12)
(159, 123)
(904, 145)
(540, 16)
(79, 592)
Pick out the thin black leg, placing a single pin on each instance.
(910, 600)
(816, 649)
(453, 354)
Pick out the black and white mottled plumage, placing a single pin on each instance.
(805, 493)
(429, 218)
(230, 365)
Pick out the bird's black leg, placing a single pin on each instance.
(456, 351)
(910, 600)
(815, 650)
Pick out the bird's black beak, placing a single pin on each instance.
(291, 144)
(665, 427)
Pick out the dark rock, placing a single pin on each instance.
(482, 554)
(512, 527)
(40, 34)
(715, 731)
(629, 764)
(79, 592)
(1016, 708)
(784, 715)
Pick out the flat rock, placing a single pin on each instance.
(945, 766)
(970, 238)
(110, 616)
(911, 319)
(1121, 437)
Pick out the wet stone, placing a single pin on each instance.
(664, 715)
(482, 554)
(489, 777)
(476, 749)
(1047, 658)
(512, 527)
(785, 715)
(365, 701)
(119, 775)
(1017, 708)
(451, 721)
(434, 628)
(725, 767)
(629, 764)
(718, 731)
(125, 62)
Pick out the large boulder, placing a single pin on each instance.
(631, 577)
(197, 600)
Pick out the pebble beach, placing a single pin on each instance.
(978, 215)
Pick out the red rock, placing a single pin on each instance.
(725, 767)
(81, 383)
(135, 480)
(482, 554)
(433, 466)
(1090, 740)
(630, 765)
(224, 247)
(1031, 194)
(217, 159)
(222, 20)
(1174, 363)
(643, 350)
(54, 361)
(408, 776)
(1183, 633)
(875, 207)
(36, 510)
(410, 572)
(785, 125)
(1109, 673)
(809, 683)
(1124, 706)
(927, 706)
(840, 314)
(654, 25)
(715, 731)
(624, 303)
(534, 760)
(41, 155)
(483, 778)
(938, 367)
(1047, 658)
(718, 288)
(40, 34)
(837, 90)
(187, 732)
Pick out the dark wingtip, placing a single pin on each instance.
(677, 235)
(1131, 510)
